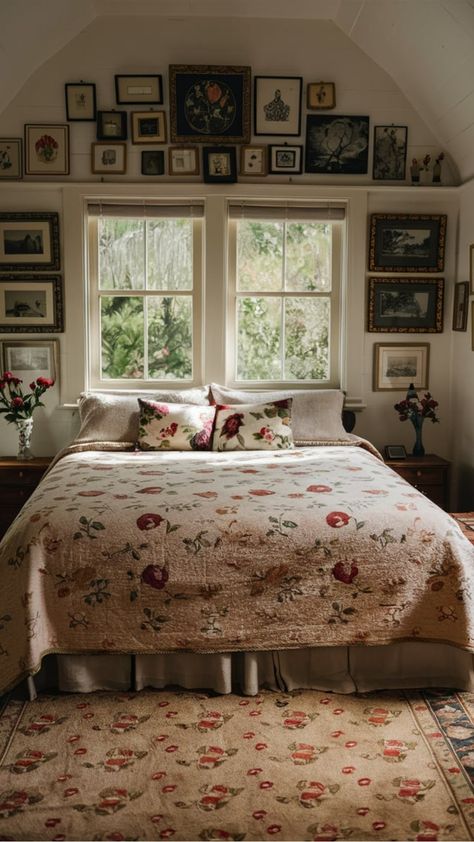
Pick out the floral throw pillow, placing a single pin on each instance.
(254, 426)
(175, 426)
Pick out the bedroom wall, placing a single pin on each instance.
(314, 50)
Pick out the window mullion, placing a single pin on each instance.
(283, 305)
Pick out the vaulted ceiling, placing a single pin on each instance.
(426, 46)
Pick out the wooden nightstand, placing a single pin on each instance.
(429, 474)
(18, 480)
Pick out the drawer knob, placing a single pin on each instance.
(419, 473)
(20, 473)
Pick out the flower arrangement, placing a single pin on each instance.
(46, 148)
(17, 405)
(415, 410)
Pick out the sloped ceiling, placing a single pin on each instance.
(426, 46)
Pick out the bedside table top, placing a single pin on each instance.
(38, 463)
(430, 460)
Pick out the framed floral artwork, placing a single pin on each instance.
(31, 304)
(277, 105)
(209, 103)
(390, 153)
(337, 144)
(11, 158)
(80, 102)
(29, 241)
(46, 149)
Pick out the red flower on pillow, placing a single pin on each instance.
(232, 425)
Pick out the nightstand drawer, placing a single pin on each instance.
(18, 480)
(422, 476)
(14, 477)
(9, 495)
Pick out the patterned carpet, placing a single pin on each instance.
(193, 766)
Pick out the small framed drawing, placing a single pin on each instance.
(471, 267)
(108, 158)
(80, 101)
(209, 103)
(148, 127)
(460, 305)
(277, 105)
(395, 451)
(396, 366)
(390, 153)
(137, 88)
(31, 304)
(111, 125)
(29, 241)
(407, 242)
(336, 144)
(29, 359)
(11, 158)
(253, 160)
(405, 305)
(219, 164)
(183, 160)
(46, 149)
(320, 95)
(285, 160)
(153, 162)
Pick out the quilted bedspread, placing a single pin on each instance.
(213, 552)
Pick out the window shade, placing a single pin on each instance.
(145, 210)
(323, 213)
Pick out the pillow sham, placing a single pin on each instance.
(113, 416)
(264, 426)
(316, 414)
(174, 426)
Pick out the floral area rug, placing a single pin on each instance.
(193, 766)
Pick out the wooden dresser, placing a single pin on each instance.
(429, 474)
(18, 480)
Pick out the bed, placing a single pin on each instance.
(310, 566)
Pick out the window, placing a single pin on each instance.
(284, 295)
(144, 295)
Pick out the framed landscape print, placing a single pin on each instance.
(148, 127)
(11, 158)
(277, 105)
(31, 304)
(209, 103)
(29, 359)
(320, 95)
(111, 125)
(109, 158)
(337, 144)
(396, 366)
(183, 160)
(407, 242)
(46, 149)
(405, 305)
(136, 88)
(285, 160)
(253, 160)
(460, 305)
(390, 153)
(80, 102)
(29, 241)
(153, 162)
(219, 164)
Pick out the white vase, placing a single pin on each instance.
(425, 177)
(25, 429)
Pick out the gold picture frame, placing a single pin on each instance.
(148, 127)
(320, 95)
(397, 365)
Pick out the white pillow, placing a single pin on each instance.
(113, 416)
(253, 426)
(316, 413)
(175, 426)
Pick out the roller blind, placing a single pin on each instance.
(301, 213)
(146, 210)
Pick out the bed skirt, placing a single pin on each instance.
(338, 669)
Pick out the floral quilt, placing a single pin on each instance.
(139, 552)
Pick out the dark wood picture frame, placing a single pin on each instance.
(153, 162)
(460, 305)
(219, 164)
(81, 104)
(337, 144)
(390, 153)
(405, 305)
(277, 105)
(285, 159)
(401, 242)
(320, 95)
(23, 293)
(209, 103)
(138, 88)
(29, 241)
(111, 125)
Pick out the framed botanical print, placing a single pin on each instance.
(320, 95)
(46, 149)
(277, 105)
(397, 365)
(460, 305)
(407, 242)
(31, 304)
(285, 159)
(219, 164)
(29, 241)
(209, 103)
(405, 305)
(390, 153)
(111, 125)
(253, 160)
(80, 101)
(153, 162)
(29, 359)
(109, 158)
(11, 158)
(336, 144)
(183, 160)
(137, 88)
(148, 127)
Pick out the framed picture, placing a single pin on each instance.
(80, 101)
(46, 149)
(31, 358)
(397, 365)
(320, 95)
(183, 160)
(111, 125)
(471, 267)
(337, 144)
(153, 162)
(11, 158)
(136, 88)
(29, 241)
(460, 305)
(472, 325)
(395, 451)
(407, 242)
(219, 164)
(209, 103)
(277, 105)
(390, 153)
(108, 158)
(405, 305)
(253, 160)
(31, 304)
(148, 127)
(285, 160)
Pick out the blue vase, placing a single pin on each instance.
(418, 449)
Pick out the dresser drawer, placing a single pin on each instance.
(18, 477)
(423, 476)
